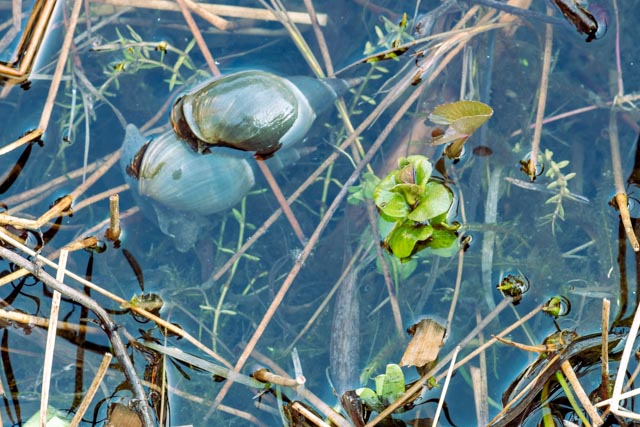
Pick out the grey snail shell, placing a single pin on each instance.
(252, 110)
(178, 188)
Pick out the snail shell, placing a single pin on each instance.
(252, 110)
(178, 188)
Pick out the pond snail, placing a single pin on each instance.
(252, 110)
(178, 188)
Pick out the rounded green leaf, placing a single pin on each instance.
(422, 168)
(436, 200)
(403, 238)
(393, 386)
(464, 116)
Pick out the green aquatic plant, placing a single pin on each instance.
(414, 209)
(390, 386)
(138, 54)
(560, 185)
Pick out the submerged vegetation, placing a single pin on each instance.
(460, 185)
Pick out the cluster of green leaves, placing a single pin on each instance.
(413, 208)
(389, 387)
(138, 55)
(560, 185)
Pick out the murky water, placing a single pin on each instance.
(572, 248)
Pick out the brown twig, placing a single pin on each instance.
(322, 43)
(113, 232)
(52, 331)
(542, 98)
(288, 213)
(604, 386)
(93, 388)
(393, 299)
(568, 372)
(198, 36)
(218, 9)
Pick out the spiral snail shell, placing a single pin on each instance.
(252, 110)
(178, 188)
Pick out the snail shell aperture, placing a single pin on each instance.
(252, 110)
(178, 188)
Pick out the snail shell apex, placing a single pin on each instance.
(252, 111)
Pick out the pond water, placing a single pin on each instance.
(128, 65)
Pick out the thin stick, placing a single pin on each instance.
(568, 372)
(29, 137)
(28, 319)
(113, 232)
(275, 188)
(308, 415)
(542, 100)
(218, 9)
(456, 292)
(322, 43)
(198, 36)
(604, 353)
(51, 339)
(445, 386)
(393, 299)
(62, 61)
(621, 193)
(264, 376)
(93, 388)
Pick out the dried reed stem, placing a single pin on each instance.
(62, 62)
(393, 299)
(621, 201)
(308, 415)
(322, 43)
(218, 9)
(568, 372)
(542, 99)
(264, 376)
(604, 353)
(288, 213)
(52, 331)
(28, 319)
(113, 232)
(93, 389)
(445, 386)
(198, 36)
(456, 291)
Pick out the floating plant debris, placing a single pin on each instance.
(463, 119)
(594, 25)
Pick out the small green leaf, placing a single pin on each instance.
(394, 385)
(403, 238)
(370, 399)
(436, 200)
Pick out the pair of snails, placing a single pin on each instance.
(187, 174)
